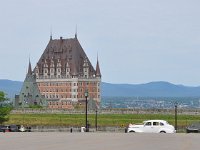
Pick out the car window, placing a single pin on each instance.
(155, 123)
(195, 125)
(148, 124)
(162, 124)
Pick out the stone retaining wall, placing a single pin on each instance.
(106, 111)
(74, 129)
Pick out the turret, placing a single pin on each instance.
(29, 68)
(98, 72)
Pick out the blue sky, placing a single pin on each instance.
(137, 41)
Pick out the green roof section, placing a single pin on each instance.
(30, 94)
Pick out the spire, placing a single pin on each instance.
(76, 33)
(98, 72)
(51, 33)
(29, 68)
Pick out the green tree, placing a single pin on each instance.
(4, 110)
(2, 96)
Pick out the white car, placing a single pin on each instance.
(152, 126)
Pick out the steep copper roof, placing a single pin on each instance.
(67, 51)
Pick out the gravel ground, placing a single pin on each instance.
(97, 141)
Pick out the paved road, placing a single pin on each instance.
(97, 141)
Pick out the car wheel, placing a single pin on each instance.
(162, 132)
(132, 131)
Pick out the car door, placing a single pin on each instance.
(147, 127)
(155, 127)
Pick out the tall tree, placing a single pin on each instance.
(2, 96)
(4, 110)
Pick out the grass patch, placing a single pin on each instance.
(78, 120)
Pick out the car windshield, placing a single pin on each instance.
(196, 125)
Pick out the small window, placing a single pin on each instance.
(155, 123)
(162, 124)
(148, 124)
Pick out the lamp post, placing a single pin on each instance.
(86, 120)
(175, 104)
(96, 120)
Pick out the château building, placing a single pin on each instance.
(64, 73)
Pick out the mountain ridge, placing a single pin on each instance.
(151, 89)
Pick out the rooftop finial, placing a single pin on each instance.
(51, 33)
(76, 32)
(29, 67)
(98, 72)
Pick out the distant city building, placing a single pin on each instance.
(63, 74)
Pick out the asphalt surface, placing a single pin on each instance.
(98, 141)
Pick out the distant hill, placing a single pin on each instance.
(10, 87)
(152, 89)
